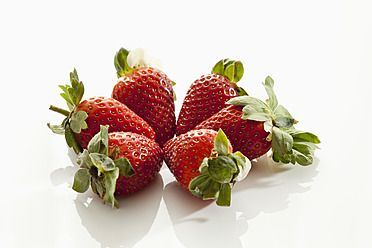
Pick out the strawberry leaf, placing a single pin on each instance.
(94, 187)
(219, 68)
(210, 189)
(282, 142)
(66, 95)
(81, 181)
(174, 93)
(70, 140)
(302, 151)
(97, 186)
(306, 148)
(221, 143)
(257, 110)
(77, 121)
(231, 69)
(204, 166)
(255, 114)
(254, 109)
(57, 129)
(269, 87)
(84, 160)
(77, 89)
(219, 172)
(120, 62)
(204, 186)
(109, 181)
(252, 104)
(281, 111)
(240, 101)
(125, 168)
(102, 162)
(243, 163)
(288, 144)
(74, 121)
(303, 136)
(74, 93)
(74, 76)
(301, 158)
(240, 90)
(284, 122)
(200, 184)
(222, 169)
(99, 142)
(224, 196)
(102, 170)
(238, 70)
(215, 180)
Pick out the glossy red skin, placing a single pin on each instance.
(205, 97)
(145, 156)
(108, 111)
(246, 136)
(185, 153)
(149, 93)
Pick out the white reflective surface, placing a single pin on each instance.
(319, 54)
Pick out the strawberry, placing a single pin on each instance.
(203, 163)
(117, 163)
(208, 94)
(253, 127)
(247, 136)
(147, 91)
(83, 120)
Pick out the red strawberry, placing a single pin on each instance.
(208, 94)
(247, 136)
(118, 163)
(203, 163)
(253, 127)
(148, 92)
(83, 120)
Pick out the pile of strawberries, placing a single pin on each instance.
(123, 140)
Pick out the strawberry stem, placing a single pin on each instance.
(59, 110)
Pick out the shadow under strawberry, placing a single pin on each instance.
(65, 175)
(125, 226)
(175, 195)
(191, 217)
(269, 186)
(266, 189)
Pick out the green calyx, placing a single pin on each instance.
(74, 121)
(121, 64)
(219, 172)
(289, 145)
(232, 70)
(101, 169)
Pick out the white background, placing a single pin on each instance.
(318, 52)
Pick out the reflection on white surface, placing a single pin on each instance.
(269, 185)
(191, 217)
(265, 190)
(320, 56)
(66, 174)
(112, 227)
(125, 226)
